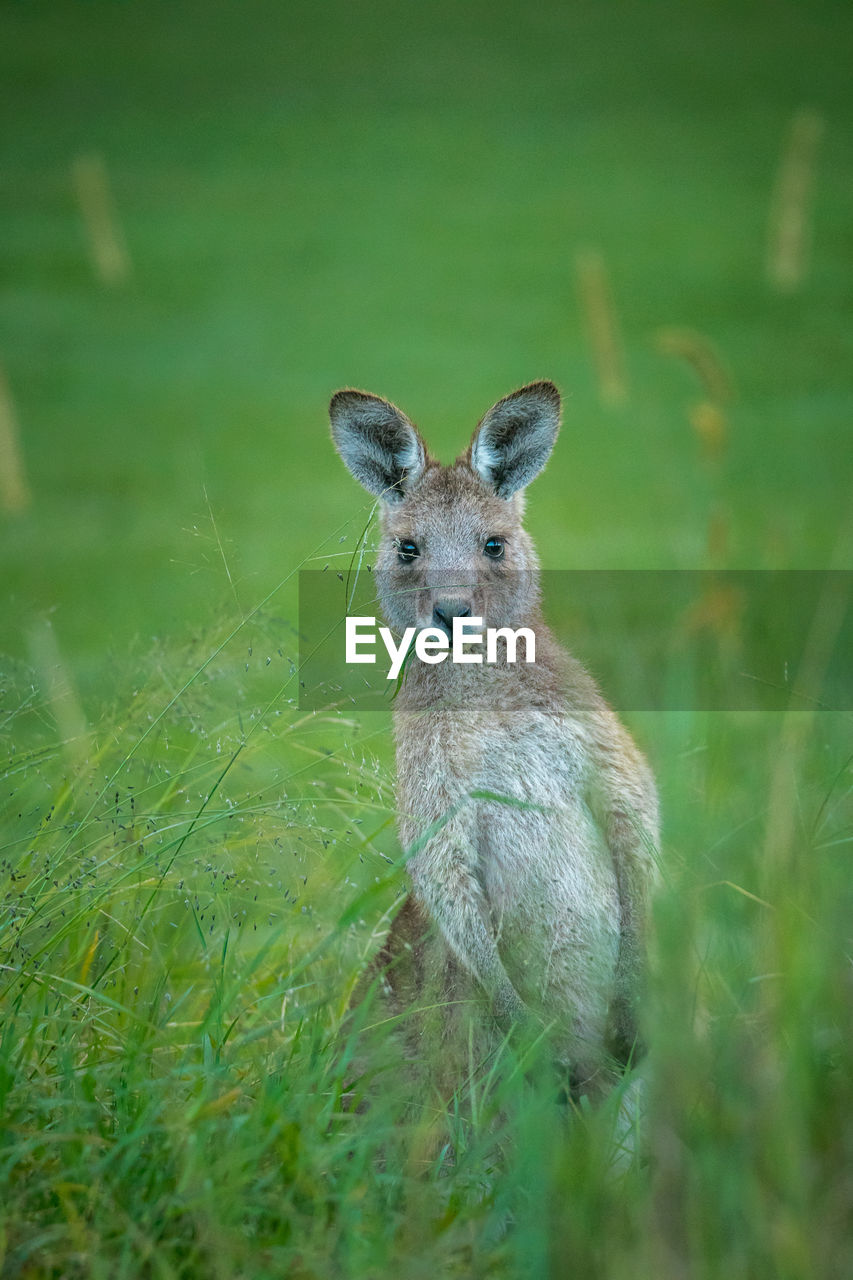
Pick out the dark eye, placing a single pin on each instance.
(406, 552)
(494, 548)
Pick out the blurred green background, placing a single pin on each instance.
(394, 196)
(437, 202)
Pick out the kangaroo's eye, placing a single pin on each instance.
(407, 552)
(494, 548)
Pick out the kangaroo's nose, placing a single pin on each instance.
(444, 611)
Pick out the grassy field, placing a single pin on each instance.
(417, 200)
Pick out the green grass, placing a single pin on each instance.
(192, 871)
(188, 909)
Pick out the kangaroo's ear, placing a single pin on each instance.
(377, 442)
(514, 440)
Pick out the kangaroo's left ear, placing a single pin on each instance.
(513, 442)
(377, 442)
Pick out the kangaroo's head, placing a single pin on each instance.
(452, 543)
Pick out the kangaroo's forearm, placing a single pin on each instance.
(454, 900)
(625, 800)
(632, 844)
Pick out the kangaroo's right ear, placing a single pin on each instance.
(377, 442)
(513, 442)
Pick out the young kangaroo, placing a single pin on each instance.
(530, 814)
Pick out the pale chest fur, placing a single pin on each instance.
(519, 784)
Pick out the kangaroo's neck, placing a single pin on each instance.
(453, 684)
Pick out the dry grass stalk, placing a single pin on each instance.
(790, 228)
(106, 241)
(15, 496)
(60, 696)
(602, 325)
